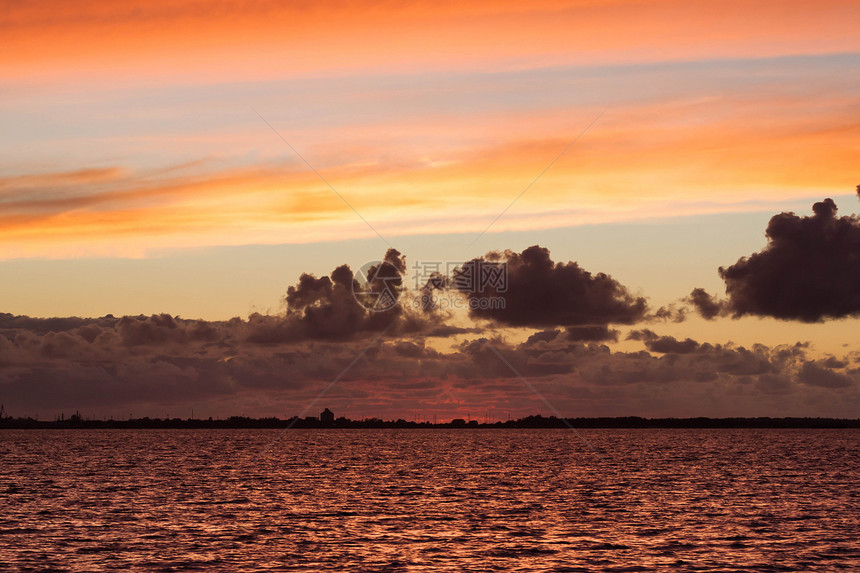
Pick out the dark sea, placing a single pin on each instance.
(430, 500)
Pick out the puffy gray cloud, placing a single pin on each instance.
(809, 271)
(669, 344)
(592, 333)
(644, 334)
(814, 375)
(707, 306)
(540, 292)
(542, 336)
(339, 307)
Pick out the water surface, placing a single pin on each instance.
(430, 500)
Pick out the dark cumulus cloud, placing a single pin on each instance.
(818, 375)
(539, 292)
(663, 344)
(668, 313)
(706, 305)
(669, 344)
(592, 333)
(809, 271)
(542, 336)
(339, 307)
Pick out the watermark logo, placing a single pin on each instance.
(449, 300)
(480, 277)
(472, 285)
(471, 277)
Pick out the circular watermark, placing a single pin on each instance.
(377, 286)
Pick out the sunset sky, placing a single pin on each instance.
(193, 159)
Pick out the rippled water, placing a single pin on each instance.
(422, 500)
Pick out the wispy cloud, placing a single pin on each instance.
(256, 40)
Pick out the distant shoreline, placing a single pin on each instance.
(239, 422)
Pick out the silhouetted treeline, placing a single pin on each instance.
(78, 422)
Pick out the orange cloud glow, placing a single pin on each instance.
(413, 149)
(265, 39)
(630, 167)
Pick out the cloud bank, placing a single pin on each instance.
(405, 358)
(162, 364)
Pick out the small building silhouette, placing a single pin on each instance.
(327, 416)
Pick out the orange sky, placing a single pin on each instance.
(264, 39)
(131, 128)
(750, 136)
(634, 164)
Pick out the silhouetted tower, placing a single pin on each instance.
(327, 416)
